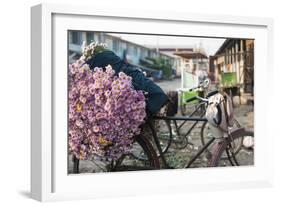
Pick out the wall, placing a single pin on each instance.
(15, 109)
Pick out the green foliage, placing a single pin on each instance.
(159, 63)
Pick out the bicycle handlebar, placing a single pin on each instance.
(191, 99)
(197, 98)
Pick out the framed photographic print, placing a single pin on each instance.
(137, 102)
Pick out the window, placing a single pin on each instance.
(149, 53)
(135, 51)
(90, 37)
(115, 45)
(101, 38)
(76, 37)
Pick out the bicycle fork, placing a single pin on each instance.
(156, 140)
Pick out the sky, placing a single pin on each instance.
(210, 45)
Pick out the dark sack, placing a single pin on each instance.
(172, 106)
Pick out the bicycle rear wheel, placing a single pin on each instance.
(221, 146)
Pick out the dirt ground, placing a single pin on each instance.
(178, 158)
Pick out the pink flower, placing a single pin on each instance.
(96, 129)
(117, 122)
(100, 115)
(105, 112)
(107, 106)
(98, 102)
(79, 123)
(98, 69)
(72, 69)
(127, 108)
(82, 99)
(92, 89)
(134, 106)
(107, 93)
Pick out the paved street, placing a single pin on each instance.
(170, 85)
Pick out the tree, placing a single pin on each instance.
(159, 63)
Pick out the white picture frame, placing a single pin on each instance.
(49, 179)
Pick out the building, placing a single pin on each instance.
(187, 59)
(190, 63)
(129, 51)
(235, 56)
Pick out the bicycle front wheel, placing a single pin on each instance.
(206, 135)
(223, 145)
(127, 162)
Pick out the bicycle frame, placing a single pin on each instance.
(189, 116)
(172, 118)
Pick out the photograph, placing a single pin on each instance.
(158, 101)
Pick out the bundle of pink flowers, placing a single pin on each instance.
(105, 112)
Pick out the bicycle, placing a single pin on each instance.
(170, 131)
(223, 144)
(204, 133)
(188, 108)
(144, 157)
(237, 145)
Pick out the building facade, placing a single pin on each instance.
(126, 50)
(235, 56)
(192, 64)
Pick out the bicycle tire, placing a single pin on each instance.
(150, 152)
(237, 145)
(166, 146)
(220, 145)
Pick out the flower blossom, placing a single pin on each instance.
(105, 111)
